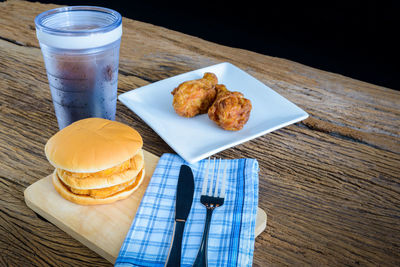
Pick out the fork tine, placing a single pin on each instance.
(222, 194)
(205, 180)
(217, 182)
(211, 181)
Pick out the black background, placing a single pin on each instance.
(358, 39)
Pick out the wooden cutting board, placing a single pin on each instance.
(101, 228)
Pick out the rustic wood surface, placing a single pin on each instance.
(330, 184)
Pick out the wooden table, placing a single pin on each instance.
(330, 184)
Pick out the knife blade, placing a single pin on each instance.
(183, 204)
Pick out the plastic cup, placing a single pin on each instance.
(80, 47)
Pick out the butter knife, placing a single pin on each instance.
(183, 204)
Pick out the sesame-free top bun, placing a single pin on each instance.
(92, 145)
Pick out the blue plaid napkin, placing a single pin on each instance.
(231, 236)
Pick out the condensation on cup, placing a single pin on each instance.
(80, 47)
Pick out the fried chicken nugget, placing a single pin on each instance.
(230, 110)
(195, 96)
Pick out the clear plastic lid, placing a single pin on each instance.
(78, 27)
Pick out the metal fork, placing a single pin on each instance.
(210, 200)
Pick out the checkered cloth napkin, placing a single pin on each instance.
(231, 236)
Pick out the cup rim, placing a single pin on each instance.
(41, 27)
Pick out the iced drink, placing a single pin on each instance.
(80, 47)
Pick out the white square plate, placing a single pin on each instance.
(199, 137)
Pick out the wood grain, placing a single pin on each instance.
(330, 185)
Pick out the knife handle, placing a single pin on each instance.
(174, 257)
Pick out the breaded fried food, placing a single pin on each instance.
(97, 161)
(230, 110)
(195, 97)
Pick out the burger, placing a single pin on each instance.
(97, 161)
